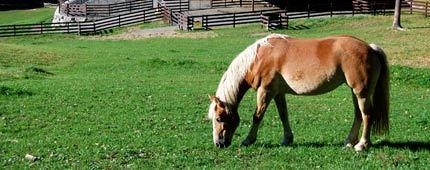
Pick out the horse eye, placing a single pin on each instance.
(218, 119)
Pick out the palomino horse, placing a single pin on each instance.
(277, 64)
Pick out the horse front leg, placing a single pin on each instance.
(262, 103)
(281, 105)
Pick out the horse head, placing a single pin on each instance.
(224, 120)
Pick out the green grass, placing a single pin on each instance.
(29, 16)
(76, 102)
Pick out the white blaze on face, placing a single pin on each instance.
(211, 112)
(211, 116)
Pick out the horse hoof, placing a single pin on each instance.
(287, 141)
(247, 142)
(348, 146)
(361, 146)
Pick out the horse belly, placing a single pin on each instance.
(313, 84)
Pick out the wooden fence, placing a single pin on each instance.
(80, 27)
(175, 5)
(419, 6)
(313, 10)
(190, 22)
(274, 21)
(103, 10)
(228, 3)
(233, 19)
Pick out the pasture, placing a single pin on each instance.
(87, 102)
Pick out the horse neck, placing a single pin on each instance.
(233, 87)
(232, 92)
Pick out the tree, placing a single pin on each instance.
(396, 21)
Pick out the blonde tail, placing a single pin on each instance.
(381, 96)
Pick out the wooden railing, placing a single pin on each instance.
(187, 21)
(80, 27)
(228, 3)
(312, 10)
(175, 5)
(419, 6)
(213, 20)
(274, 21)
(104, 10)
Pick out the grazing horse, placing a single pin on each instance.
(277, 64)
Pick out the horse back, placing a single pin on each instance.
(306, 66)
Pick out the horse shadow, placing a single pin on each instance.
(410, 145)
(298, 27)
(418, 27)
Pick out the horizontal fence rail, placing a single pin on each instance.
(185, 20)
(419, 6)
(208, 21)
(80, 27)
(312, 10)
(175, 5)
(274, 21)
(103, 10)
(228, 3)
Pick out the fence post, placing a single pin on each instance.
(384, 8)
(144, 16)
(189, 26)
(67, 9)
(234, 20)
(14, 29)
(353, 10)
(206, 23)
(79, 28)
(427, 7)
(331, 8)
(129, 5)
(85, 10)
(411, 6)
(253, 4)
(94, 27)
(108, 9)
(68, 27)
(280, 20)
(119, 20)
(309, 10)
(262, 20)
(171, 18)
(41, 28)
(374, 8)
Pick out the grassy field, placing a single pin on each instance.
(79, 102)
(29, 16)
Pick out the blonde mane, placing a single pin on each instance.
(228, 87)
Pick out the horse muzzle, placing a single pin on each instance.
(222, 144)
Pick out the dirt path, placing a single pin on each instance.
(169, 32)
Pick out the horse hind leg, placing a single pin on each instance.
(281, 105)
(262, 102)
(365, 105)
(352, 137)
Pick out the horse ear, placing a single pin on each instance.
(211, 97)
(217, 101)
